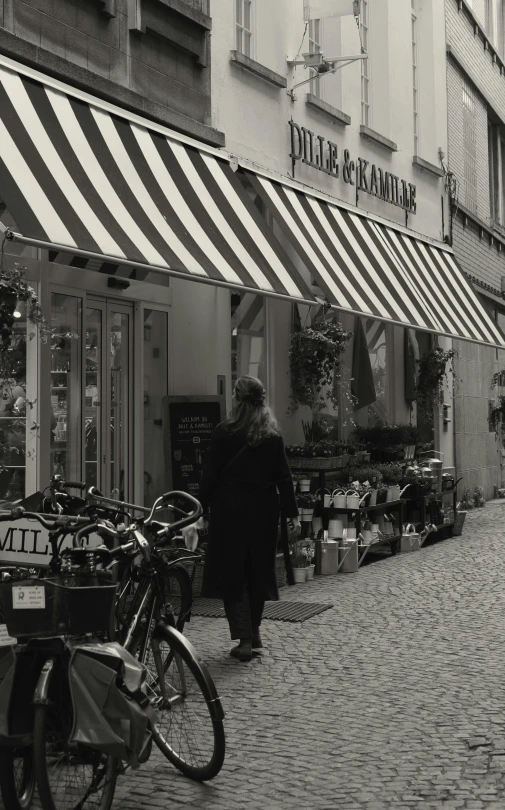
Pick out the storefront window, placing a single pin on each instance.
(155, 388)
(93, 397)
(248, 336)
(377, 342)
(16, 443)
(66, 321)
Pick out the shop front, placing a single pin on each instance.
(167, 268)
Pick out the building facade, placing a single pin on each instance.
(475, 160)
(178, 202)
(389, 111)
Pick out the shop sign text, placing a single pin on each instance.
(26, 542)
(322, 154)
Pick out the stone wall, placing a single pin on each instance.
(152, 56)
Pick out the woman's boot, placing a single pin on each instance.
(243, 651)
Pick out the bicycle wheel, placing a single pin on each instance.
(69, 775)
(189, 729)
(17, 777)
(177, 593)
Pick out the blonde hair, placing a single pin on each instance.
(250, 412)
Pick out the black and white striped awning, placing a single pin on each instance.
(367, 267)
(84, 177)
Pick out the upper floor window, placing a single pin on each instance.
(469, 147)
(497, 173)
(501, 28)
(243, 24)
(415, 88)
(488, 18)
(365, 63)
(315, 47)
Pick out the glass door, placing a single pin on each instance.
(118, 472)
(93, 396)
(108, 397)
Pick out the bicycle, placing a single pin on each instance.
(139, 633)
(176, 677)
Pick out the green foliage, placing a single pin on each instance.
(392, 473)
(433, 374)
(366, 472)
(496, 416)
(384, 435)
(314, 361)
(321, 449)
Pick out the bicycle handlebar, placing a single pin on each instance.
(50, 522)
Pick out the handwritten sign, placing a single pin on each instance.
(189, 423)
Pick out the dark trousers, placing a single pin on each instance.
(244, 615)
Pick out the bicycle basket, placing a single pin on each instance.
(54, 609)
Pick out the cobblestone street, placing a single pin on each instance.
(392, 699)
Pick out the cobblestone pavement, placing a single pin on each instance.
(392, 699)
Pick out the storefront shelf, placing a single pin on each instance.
(379, 507)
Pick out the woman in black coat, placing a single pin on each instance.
(247, 483)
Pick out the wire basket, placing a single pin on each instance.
(458, 524)
(319, 463)
(55, 609)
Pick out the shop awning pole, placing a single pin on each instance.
(12, 236)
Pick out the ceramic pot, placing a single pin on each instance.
(310, 572)
(299, 574)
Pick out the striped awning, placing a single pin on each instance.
(369, 268)
(81, 176)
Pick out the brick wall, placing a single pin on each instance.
(460, 37)
(160, 63)
(476, 255)
(477, 451)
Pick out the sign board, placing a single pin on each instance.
(188, 425)
(322, 154)
(26, 542)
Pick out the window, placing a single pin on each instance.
(488, 18)
(315, 47)
(415, 90)
(243, 26)
(496, 151)
(469, 147)
(365, 64)
(247, 336)
(501, 28)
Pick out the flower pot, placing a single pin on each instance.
(299, 574)
(306, 514)
(305, 485)
(310, 571)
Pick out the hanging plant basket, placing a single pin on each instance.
(433, 375)
(314, 362)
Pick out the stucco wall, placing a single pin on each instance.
(255, 114)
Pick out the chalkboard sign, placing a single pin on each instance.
(188, 425)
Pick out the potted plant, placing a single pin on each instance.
(310, 550)
(315, 355)
(298, 560)
(306, 502)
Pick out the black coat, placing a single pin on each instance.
(245, 500)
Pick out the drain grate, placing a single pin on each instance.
(277, 611)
